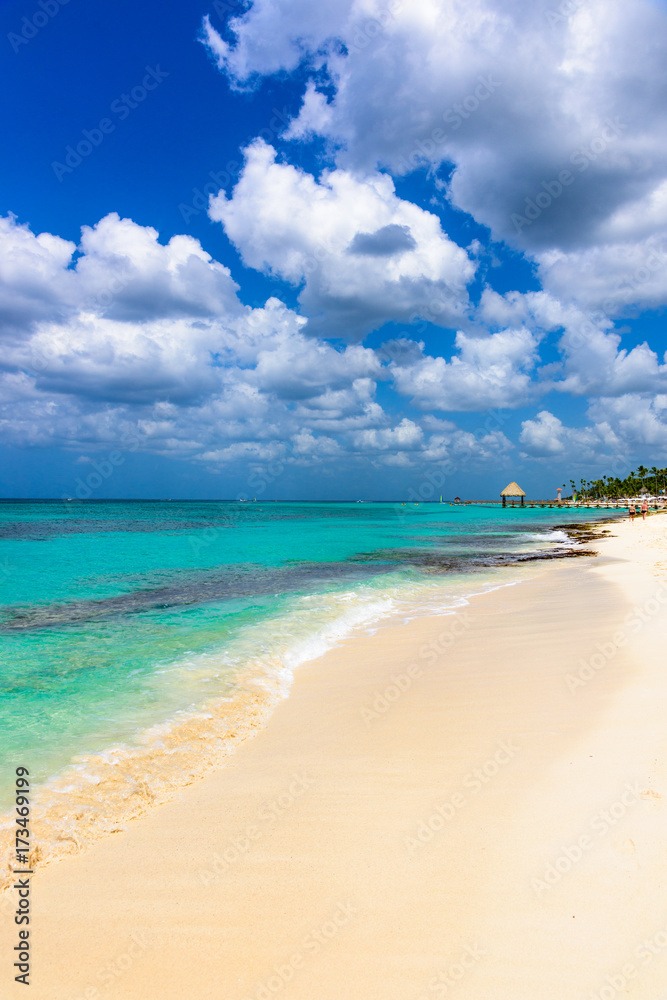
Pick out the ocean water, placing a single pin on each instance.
(131, 632)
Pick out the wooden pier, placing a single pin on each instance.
(562, 505)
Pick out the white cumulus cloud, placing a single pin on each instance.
(363, 256)
(488, 371)
(529, 105)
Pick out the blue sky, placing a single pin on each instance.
(352, 249)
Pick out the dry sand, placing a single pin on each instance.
(467, 806)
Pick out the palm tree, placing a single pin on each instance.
(655, 472)
(642, 471)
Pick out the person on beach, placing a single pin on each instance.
(631, 512)
(644, 510)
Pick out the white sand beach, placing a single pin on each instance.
(470, 805)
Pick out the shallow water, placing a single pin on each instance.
(121, 622)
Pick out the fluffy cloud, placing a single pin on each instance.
(511, 95)
(34, 279)
(145, 346)
(536, 310)
(124, 273)
(596, 365)
(144, 342)
(614, 279)
(303, 370)
(488, 372)
(407, 435)
(363, 255)
(275, 43)
(121, 272)
(547, 437)
(109, 360)
(638, 421)
(619, 429)
(136, 344)
(594, 361)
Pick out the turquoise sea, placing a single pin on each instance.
(119, 620)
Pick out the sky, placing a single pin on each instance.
(358, 249)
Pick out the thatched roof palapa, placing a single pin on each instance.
(513, 490)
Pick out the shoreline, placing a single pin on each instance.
(313, 842)
(190, 745)
(65, 810)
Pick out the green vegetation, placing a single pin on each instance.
(653, 480)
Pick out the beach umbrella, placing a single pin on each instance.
(512, 490)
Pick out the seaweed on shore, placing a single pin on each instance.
(585, 532)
